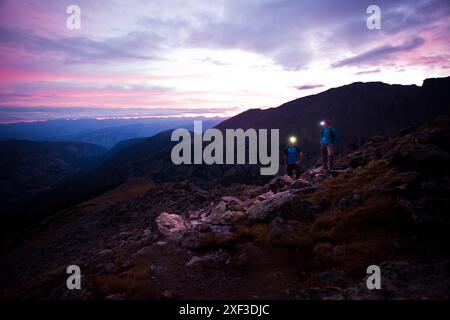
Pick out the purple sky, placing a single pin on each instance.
(218, 57)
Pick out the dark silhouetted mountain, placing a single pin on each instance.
(358, 111)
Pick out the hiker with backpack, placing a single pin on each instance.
(292, 158)
(328, 139)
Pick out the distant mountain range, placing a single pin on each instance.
(359, 111)
(106, 133)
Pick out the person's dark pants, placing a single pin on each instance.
(290, 170)
(327, 156)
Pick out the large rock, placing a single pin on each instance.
(233, 203)
(144, 252)
(271, 207)
(220, 209)
(215, 260)
(265, 196)
(299, 183)
(224, 212)
(217, 213)
(277, 183)
(170, 225)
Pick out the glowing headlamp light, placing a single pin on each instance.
(322, 123)
(292, 139)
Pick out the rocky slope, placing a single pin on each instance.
(358, 110)
(313, 238)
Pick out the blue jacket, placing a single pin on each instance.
(291, 154)
(328, 136)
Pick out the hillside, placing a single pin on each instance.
(29, 168)
(359, 111)
(385, 204)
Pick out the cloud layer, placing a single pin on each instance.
(185, 54)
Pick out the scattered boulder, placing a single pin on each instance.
(215, 260)
(299, 184)
(277, 183)
(271, 207)
(169, 294)
(222, 231)
(143, 252)
(304, 190)
(148, 235)
(170, 225)
(193, 261)
(230, 201)
(115, 296)
(220, 208)
(124, 235)
(265, 196)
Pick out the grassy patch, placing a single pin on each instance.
(376, 174)
(135, 284)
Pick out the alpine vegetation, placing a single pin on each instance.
(241, 147)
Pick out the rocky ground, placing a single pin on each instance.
(313, 238)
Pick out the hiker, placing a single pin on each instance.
(292, 158)
(328, 139)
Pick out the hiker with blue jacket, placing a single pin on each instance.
(328, 139)
(292, 158)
